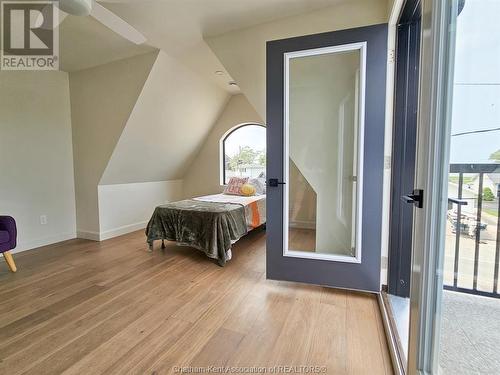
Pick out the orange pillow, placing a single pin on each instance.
(248, 190)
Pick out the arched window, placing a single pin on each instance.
(243, 152)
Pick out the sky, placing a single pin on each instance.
(476, 95)
(253, 136)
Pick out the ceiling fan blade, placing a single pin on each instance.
(44, 25)
(115, 23)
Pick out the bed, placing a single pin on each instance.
(211, 223)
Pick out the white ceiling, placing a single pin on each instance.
(174, 26)
(85, 42)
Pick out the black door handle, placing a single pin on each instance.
(274, 182)
(417, 198)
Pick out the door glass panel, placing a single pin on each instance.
(469, 306)
(323, 95)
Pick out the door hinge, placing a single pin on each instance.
(391, 56)
(387, 162)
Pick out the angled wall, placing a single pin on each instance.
(102, 99)
(243, 52)
(137, 126)
(169, 122)
(202, 177)
(124, 208)
(171, 119)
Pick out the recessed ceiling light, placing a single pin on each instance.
(232, 83)
(219, 72)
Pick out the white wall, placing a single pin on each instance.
(170, 120)
(243, 52)
(203, 176)
(136, 122)
(102, 99)
(127, 207)
(36, 156)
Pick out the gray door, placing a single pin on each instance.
(325, 144)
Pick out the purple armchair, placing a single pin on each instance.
(8, 237)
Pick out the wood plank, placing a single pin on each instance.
(138, 359)
(127, 288)
(362, 329)
(218, 350)
(96, 361)
(328, 339)
(256, 346)
(186, 348)
(113, 308)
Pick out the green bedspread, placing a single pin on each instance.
(207, 226)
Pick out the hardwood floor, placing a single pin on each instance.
(302, 239)
(82, 307)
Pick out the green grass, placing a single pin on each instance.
(467, 179)
(491, 211)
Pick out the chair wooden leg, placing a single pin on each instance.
(10, 261)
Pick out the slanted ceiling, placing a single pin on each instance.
(243, 52)
(142, 119)
(102, 99)
(86, 43)
(169, 122)
(149, 126)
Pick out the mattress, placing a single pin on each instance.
(211, 224)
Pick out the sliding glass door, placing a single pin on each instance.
(432, 158)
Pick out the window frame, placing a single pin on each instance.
(222, 148)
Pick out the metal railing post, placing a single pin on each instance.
(458, 230)
(478, 229)
(490, 170)
(497, 251)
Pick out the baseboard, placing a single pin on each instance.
(105, 235)
(39, 242)
(302, 224)
(110, 233)
(85, 234)
(88, 235)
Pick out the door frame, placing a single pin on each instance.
(361, 276)
(404, 147)
(433, 138)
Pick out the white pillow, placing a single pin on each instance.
(260, 185)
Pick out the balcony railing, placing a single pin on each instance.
(473, 235)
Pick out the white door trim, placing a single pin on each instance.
(358, 155)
